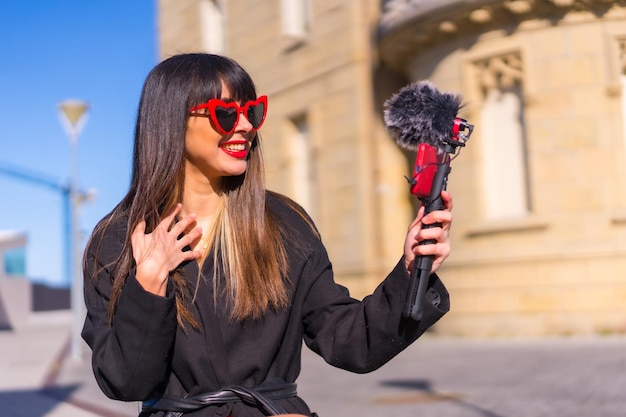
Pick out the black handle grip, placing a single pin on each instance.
(414, 304)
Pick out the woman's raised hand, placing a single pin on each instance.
(440, 235)
(158, 253)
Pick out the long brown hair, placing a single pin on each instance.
(248, 245)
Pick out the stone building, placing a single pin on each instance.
(15, 288)
(539, 236)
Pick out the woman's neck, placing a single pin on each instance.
(200, 196)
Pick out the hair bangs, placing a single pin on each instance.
(214, 72)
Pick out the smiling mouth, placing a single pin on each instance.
(235, 149)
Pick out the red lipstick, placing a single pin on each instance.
(235, 148)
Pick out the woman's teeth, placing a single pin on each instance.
(234, 147)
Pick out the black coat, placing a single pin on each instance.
(145, 353)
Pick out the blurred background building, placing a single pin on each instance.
(19, 295)
(15, 288)
(539, 236)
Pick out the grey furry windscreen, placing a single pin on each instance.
(419, 113)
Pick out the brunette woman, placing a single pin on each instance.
(201, 285)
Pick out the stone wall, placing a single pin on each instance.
(557, 265)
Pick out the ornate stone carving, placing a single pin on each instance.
(396, 13)
(483, 15)
(564, 3)
(408, 27)
(519, 6)
(500, 72)
(622, 55)
(448, 27)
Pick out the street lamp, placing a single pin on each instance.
(73, 117)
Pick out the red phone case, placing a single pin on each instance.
(425, 169)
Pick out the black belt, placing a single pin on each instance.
(260, 396)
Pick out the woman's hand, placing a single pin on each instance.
(441, 235)
(159, 252)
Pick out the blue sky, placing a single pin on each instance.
(50, 51)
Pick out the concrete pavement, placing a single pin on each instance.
(436, 377)
(38, 379)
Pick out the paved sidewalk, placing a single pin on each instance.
(38, 379)
(436, 377)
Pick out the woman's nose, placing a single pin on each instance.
(243, 123)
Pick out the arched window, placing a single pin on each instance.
(622, 81)
(302, 163)
(296, 18)
(504, 152)
(212, 17)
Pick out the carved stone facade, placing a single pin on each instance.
(539, 236)
(543, 81)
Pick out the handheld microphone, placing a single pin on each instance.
(421, 118)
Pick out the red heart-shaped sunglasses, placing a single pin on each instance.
(225, 115)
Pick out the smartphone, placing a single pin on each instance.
(425, 170)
